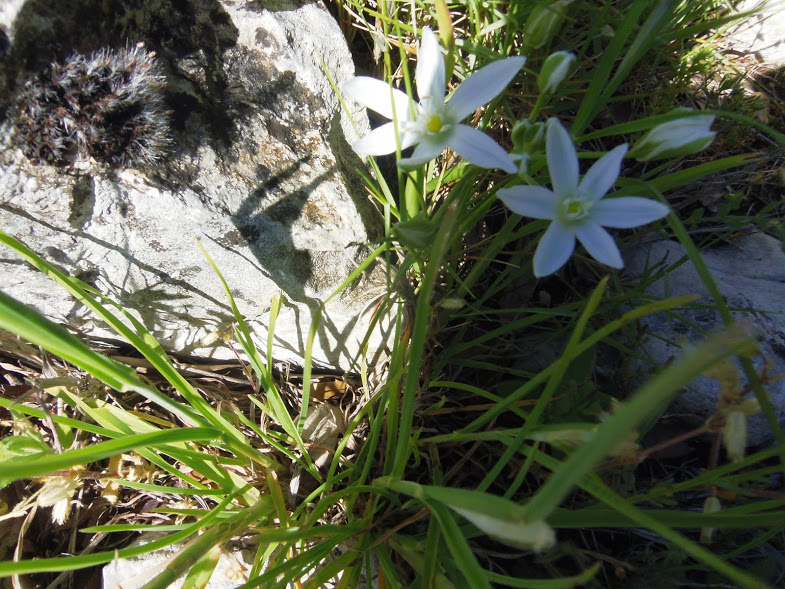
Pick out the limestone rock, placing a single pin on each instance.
(750, 274)
(258, 168)
(230, 571)
(762, 33)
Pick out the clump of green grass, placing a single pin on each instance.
(500, 448)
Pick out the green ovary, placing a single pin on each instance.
(574, 209)
(434, 124)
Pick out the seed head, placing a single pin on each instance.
(108, 106)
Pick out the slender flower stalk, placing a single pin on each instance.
(577, 209)
(435, 123)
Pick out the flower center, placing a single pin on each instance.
(574, 209)
(434, 124)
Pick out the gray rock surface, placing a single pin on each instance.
(132, 573)
(259, 168)
(750, 274)
(231, 571)
(762, 33)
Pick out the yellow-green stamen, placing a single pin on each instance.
(574, 209)
(434, 124)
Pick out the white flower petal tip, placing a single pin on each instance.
(599, 244)
(483, 85)
(603, 174)
(479, 149)
(628, 211)
(554, 249)
(378, 96)
(430, 71)
(434, 123)
(530, 201)
(578, 210)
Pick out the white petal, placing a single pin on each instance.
(627, 211)
(554, 250)
(603, 174)
(380, 141)
(377, 96)
(562, 158)
(423, 153)
(483, 85)
(476, 147)
(530, 201)
(599, 244)
(429, 75)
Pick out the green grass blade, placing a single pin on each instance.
(600, 77)
(419, 335)
(611, 433)
(13, 470)
(563, 583)
(459, 548)
(275, 402)
(72, 563)
(30, 325)
(611, 518)
(585, 345)
(141, 339)
(202, 545)
(701, 553)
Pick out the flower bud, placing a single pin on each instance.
(554, 71)
(749, 406)
(528, 139)
(711, 505)
(544, 22)
(734, 434)
(675, 138)
(452, 303)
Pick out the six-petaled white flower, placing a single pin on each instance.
(435, 123)
(576, 208)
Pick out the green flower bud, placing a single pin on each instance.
(544, 22)
(554, 71)
(675, 138)
(528, 139)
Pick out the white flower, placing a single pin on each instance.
(576, 209)
(435, 123)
